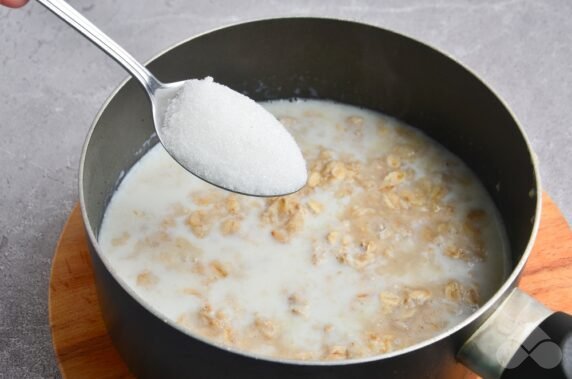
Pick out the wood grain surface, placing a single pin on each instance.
(84, 349)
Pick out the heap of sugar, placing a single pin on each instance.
(231, 141)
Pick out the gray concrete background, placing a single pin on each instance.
(52, 83)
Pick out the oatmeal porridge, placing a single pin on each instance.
(392, 241)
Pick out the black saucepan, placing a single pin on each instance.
(511, 335)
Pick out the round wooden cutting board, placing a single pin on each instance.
(84, 349)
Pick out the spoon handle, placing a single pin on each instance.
(64, 11)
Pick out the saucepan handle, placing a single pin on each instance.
(546, 352)
(522, 339)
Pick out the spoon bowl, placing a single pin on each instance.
(160, 94)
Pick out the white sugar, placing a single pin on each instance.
(229, 140)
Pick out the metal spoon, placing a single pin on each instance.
(159, 93)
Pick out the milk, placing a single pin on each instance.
(317, 293)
